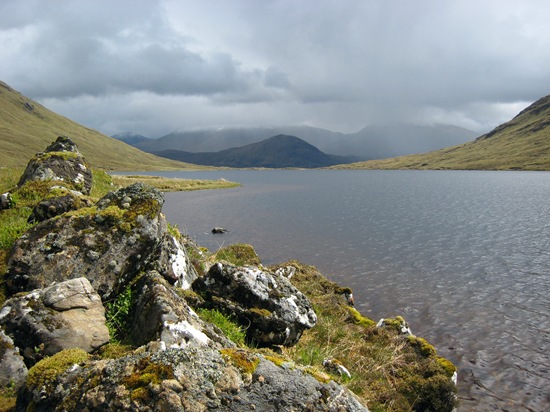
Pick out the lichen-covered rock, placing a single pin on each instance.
(65, 315)
(63, 162)
(159, 313)
(13, 371)
(191, 379)
(109, 244)
(54, 206)
(273, 311)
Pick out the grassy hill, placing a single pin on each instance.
(27, 127)
(523, 143)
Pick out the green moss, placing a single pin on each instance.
(245, 361)
(321, 376)
(114, 350)
(359, 319)
(422, 346)
(261, 312)
(447, 365)
(60, 155)
(239, 255)
(146, 372)
(45, 372)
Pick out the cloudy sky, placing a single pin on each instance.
(154, 66)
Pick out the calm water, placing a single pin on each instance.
(464, 256)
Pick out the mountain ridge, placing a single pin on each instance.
(522, 143)
(280, 151)
(374, 141)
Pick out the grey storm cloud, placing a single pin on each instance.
(325, 63)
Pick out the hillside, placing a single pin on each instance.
(523, 143)
(375, 141)
(26, 127)
(275, 152)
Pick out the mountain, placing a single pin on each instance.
(130, 138)
(27, 127)
(375, 141)
(522, 143)
(275, 152)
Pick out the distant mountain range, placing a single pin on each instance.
(130, 138)
(373, 142)
(281, 151)
(522, 143)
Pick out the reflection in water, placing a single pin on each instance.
(464, 256)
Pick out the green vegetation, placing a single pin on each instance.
(523, 143)
(238, 254)
(390, 372)
(166, 184)
(230, 328)
(45, 372)
(117, 313)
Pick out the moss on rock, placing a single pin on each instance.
(45, 372)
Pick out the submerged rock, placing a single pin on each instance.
(273, 311)
(60, 161)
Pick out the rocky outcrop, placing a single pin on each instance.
(273, 311)
(61, 161)
(84, 274)
(159, 313)
(195, 379)
(109, 244)
(65, 315)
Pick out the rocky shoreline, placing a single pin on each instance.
(102, 304)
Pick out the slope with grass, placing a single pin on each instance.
(523, 143)
(27, 127)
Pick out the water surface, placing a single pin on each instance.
(464, 256)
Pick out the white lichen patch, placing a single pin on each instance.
(180, 266)
(183, 332)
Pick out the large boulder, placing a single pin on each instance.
(64, 315)
(161, 314)
(273, 311)
(61, 161)
(191, 379)
(109, 244)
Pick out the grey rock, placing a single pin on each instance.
(219, 230)
(52, 207)
(6, 201)
(271, 309)
(191, 379)
(64, 315)
(61, 162)
(13, 371)
(107, 245)
(161, 314)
